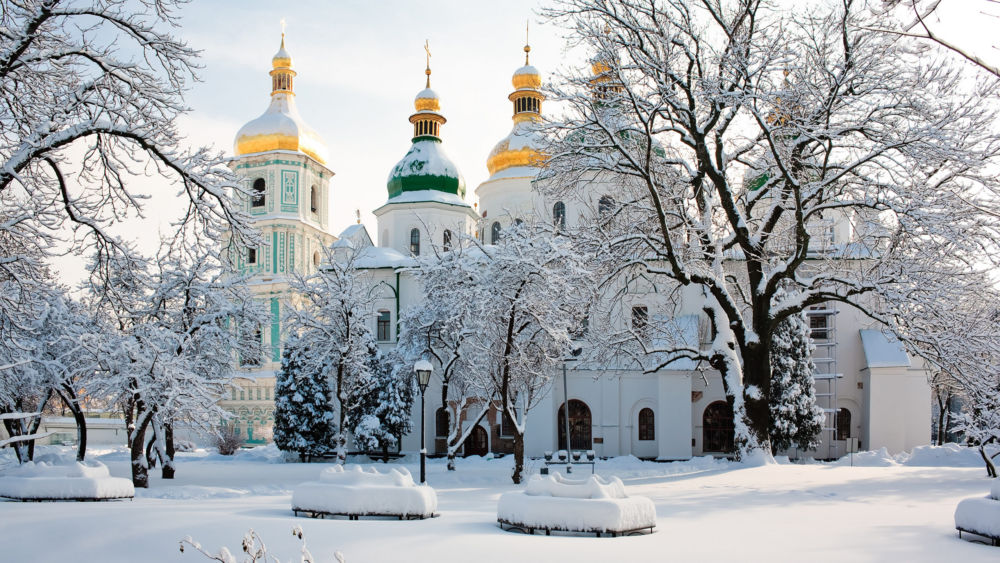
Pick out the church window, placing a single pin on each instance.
(384, 319)
(441, 423)
(316, 259)
(843, 424)
(447, 240)
(314, 199)
(242, 395)
(605, 205)
(506, 428)
(718, 430)
(646, 424)
(640, 319)
(267, 393)
(495, 233)
(559, 214)
(259, 197)
(251, 256)
(415, 242)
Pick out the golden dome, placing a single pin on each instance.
(427, 100)
(516, 151)
(281, 127)
(519, 150)
(526, 77)
(281, 59)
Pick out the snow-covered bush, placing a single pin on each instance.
(185, 446)
(980, 515)
(303, 415)
(254, 553)
(382, 411)
(57, 476)
(225, 439)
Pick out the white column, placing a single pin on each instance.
(673, 424)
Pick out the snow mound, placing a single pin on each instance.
(591, 505)
(196, 492)
(980, 515)
(261, 454)
(56, 475)
(880, 458)
(365, 491)
(948, 455)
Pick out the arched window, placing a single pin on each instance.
(559, 214)
(843, 424)
(478, 442)
(495, 233)
(313, 199)
(718, 431)
(415, 242)
(316, 259)
(259, 197)
(447, 240)
(579, 425)
(441, 423)
(647, 424)
(605, 205)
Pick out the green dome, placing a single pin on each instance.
(426, 167)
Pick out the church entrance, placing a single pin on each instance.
(478, 442)
(579, 426)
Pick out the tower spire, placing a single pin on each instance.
(428, 71)
(527, 42)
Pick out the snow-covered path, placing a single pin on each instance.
(706, 512)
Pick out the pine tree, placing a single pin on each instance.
(382, 413)
(796, 421)
(303, 414)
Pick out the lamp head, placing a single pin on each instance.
(423, 369)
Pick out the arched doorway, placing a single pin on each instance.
(478, 442)
(579, 426)
(718, 431)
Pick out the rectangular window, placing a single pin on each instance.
(640, 319)
(242, 395)
(258, 393)
(384, 331)
(506, 428)
(233, 391)
(251, 256)
(267, 393)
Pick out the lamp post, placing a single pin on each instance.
(569, 450)
(423, 369)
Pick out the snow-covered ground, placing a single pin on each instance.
(707, 510)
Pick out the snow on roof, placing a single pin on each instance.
(425, 158)
(527, 69)
(422, 196)
(427, 93)
(880, 353)
(350, 231)
(383, 257)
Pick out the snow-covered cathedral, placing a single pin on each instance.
(868, 386)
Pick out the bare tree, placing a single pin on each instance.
(92, 91)
(734, 138)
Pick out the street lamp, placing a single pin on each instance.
(423, 369)
(569, 450)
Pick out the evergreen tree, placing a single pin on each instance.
(796, 421)
(382, 413)
(303, 414)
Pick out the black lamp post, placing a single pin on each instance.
(423, 369)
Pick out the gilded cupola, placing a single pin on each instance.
(518, 153)
(281, 127)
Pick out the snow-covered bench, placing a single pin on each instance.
(594, 505)
(357, 492)
(52, 477)
(981, 515)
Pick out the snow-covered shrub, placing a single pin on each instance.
(56, 476)
(303, 415)
(225, 439)
(254, 553)
(365, 491)
(796, 420)
(185, 446)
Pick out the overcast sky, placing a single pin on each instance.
(359, 66)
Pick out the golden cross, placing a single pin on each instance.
(283, 25)
(428, 49)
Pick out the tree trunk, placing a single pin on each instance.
(519, 457)
(140, 471)
(129, 413)
(757, 373)
(151, 451)
(385, 452)
(168, 464)
(70, 399)
(991, 470)
(13, 430)
(36, 422)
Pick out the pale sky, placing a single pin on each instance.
(359, 66)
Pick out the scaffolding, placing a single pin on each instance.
(823, 325)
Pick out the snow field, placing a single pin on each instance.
(705, 510)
